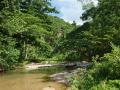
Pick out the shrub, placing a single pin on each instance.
(103, 75)
(9, 56)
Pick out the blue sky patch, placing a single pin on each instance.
(70, 10)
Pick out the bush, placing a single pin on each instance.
(9, 56)
(73, 56)
(107, 85)
(103, 75)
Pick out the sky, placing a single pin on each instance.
(69, 10)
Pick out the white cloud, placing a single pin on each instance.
(70, 10)
(95, 2)
(61, 0)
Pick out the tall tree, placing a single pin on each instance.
(101, 28)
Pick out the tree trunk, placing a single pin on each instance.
(23, 52)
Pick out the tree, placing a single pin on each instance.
(37, 6)
(101, 28)
(105, 19)
(25, 29)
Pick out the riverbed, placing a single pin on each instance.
(22, 80)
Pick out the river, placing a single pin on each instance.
(23, 80)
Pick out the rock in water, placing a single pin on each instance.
(49, 88)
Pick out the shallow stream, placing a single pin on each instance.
(24, 80)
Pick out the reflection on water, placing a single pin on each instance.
(27, 81)
(49, 70)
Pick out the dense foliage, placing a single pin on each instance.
(103, 75)
(92, 41)
(94, 37)
(27, 32)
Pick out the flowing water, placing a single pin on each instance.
(28, 81)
